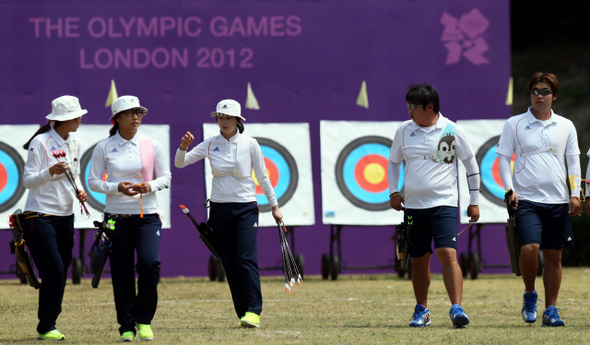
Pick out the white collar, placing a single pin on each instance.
(532, 118)
(58, 139)
(122, 141)
(233, 138)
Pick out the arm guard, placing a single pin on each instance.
(473, 179)
(575, 175)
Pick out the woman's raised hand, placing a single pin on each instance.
(187, 139)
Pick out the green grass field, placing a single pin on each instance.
(356, 309)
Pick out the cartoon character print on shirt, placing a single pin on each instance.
(445, 150)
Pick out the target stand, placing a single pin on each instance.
(332, 263)
(355, 187)
(471, 262)
(492, 206)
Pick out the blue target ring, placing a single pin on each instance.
(101, 198)
(11, 172)
(285, 169)
(11, 184)
(361, 173)
(351, 180)
(97, 200)
(487, 173)
(488, 162)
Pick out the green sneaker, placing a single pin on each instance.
(127, 337)
(51, 335)
(144, 332)
(250, 320)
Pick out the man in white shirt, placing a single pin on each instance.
(542, 141)
(429, 144)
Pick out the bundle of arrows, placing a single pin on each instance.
(61, 157)
(292, 274)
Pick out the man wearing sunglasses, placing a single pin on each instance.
(536, 188)
(430, 145)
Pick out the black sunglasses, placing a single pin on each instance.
(543, 92)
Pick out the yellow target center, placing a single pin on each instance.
(374, 173)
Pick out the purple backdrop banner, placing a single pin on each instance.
(305, 61)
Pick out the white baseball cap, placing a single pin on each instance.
(228, 107)
(125, 103)
(65, 108)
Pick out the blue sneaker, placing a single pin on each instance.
(529, 307)
(458, 316)
(421, 317)
(551, 318)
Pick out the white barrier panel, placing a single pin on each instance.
(355, 189)
(89, 136)
(287, 154)
(483, 136)
(13, 193)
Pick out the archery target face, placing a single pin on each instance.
(361, 173)
(11, 172)
(281, 169)
(489, 165)
(354, 163)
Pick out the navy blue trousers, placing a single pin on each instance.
(50, 240)
(142, 235)
(235, 227)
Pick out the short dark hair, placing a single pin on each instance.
(548, 78)
(423, 94)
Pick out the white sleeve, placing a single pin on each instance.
(396, 153)
(35, 174)
(464, 148)
(260, 171)
(473, 179)
(507, 141)
(393, 174)
(571, 147)
(96, 171)
(184, 158)
(506, 171)
(162, 169)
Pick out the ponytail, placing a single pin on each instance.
(41, 130)
(240, 126)
(114, 129)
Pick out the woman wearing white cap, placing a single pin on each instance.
(49, 215)
(130, 159)
(234, 213)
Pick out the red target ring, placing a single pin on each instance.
(273, 174)
(371, 173)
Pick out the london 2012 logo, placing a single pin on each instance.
(465, 37)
